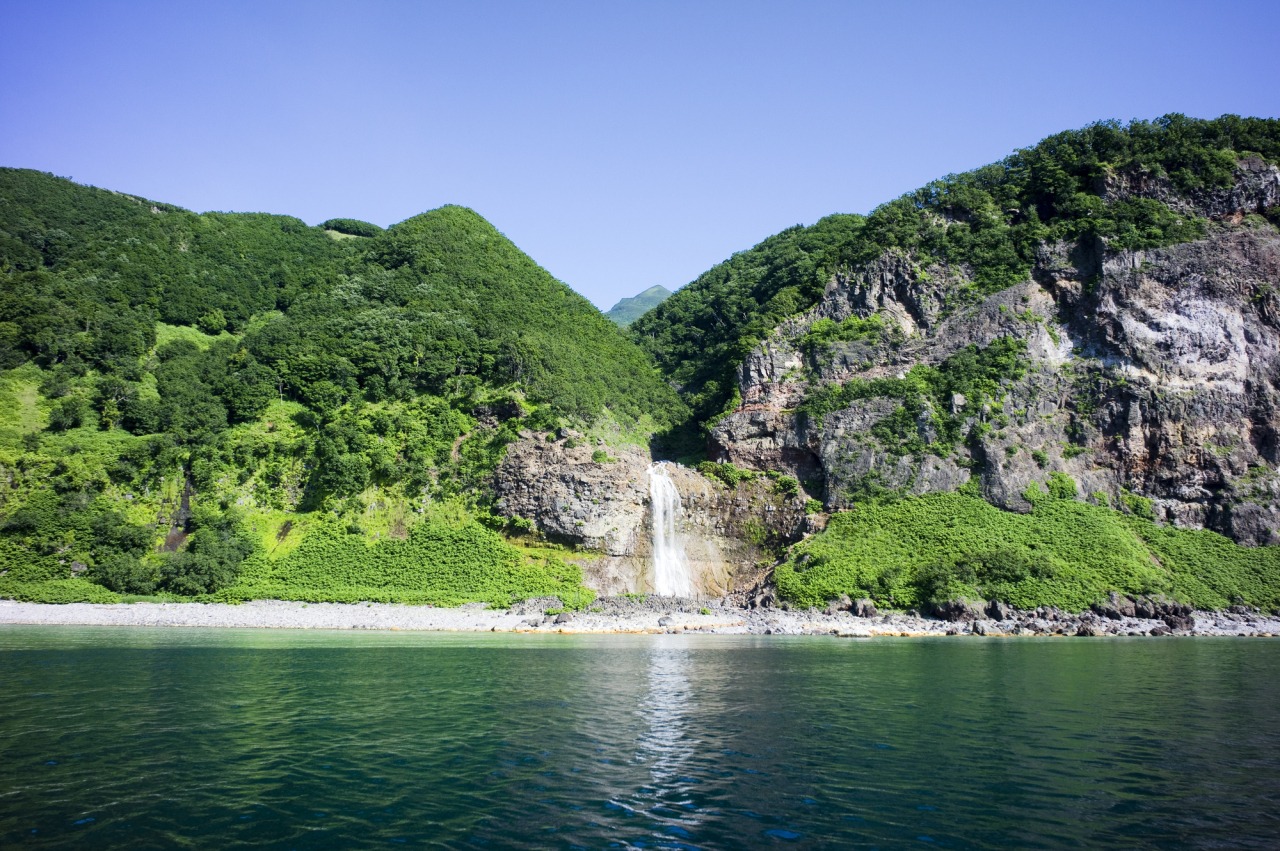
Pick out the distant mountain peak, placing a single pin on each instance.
(628, 310)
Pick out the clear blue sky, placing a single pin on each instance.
(620, 144)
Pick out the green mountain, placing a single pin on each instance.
(628, 310)
(1042, 381)
(186, 393)
(955, 397)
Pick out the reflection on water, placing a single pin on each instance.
(667, 745)
(154, 738)
(666, 708)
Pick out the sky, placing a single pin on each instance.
(619, 144)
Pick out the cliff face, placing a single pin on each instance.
(605, 508)
(1148, 373)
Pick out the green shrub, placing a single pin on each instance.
(726, 472)
(1062, 486)
(443, 561)
(56, 591)
(1138, 506)
(902, 553)
(786, 487)
(125, 574)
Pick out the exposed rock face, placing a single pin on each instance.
(1153, 372)
(570, 497)
(605, 509)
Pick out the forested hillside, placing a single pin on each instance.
(991, 221)
(185, 392)
(1082, 336)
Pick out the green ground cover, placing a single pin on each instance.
(916, 550)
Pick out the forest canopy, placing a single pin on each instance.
(172, 378)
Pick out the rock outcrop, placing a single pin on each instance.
(597, 499)
(1152, 376)
(1145, 379)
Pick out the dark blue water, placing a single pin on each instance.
(221, 739)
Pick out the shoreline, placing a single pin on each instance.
(615, 615)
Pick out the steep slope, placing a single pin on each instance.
(1085, 334)
(707, 327)
(628, 310)
(192, 394)
(990, 222)
(1140, 364)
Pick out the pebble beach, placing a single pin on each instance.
(613, 615)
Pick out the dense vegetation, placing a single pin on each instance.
(987, 222)
(173, 381)
(918, 550)
(700, 334)
(228, 406)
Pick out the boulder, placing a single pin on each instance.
(955, 610)
(864, 608)
(1001, 611)
(840, 604)
(1115, 607)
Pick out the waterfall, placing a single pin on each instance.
(671, 574)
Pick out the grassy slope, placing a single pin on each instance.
(1065, 553)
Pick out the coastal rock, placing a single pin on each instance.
(559, 487)
(956, 610)
(999, 611)
(1116, 607)
(840, 604)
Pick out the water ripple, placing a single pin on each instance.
(156, 738)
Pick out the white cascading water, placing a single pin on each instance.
(671, 574)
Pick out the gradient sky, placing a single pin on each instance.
(621, 145)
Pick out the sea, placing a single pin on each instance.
(115, 737)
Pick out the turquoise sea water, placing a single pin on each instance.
(117, 737)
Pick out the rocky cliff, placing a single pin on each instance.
(575, 491)
(1148, 378)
